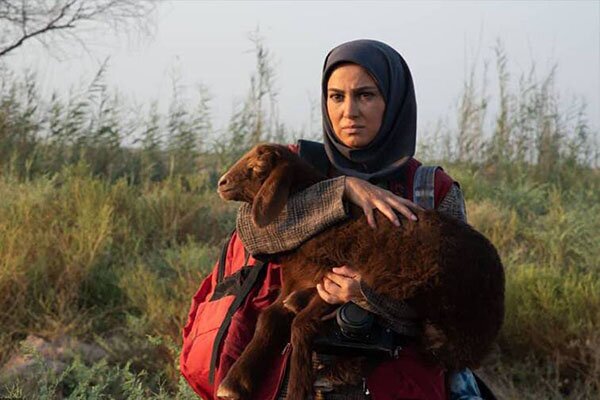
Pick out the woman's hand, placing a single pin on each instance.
(368, 197)
(340, 286)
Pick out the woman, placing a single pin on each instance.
(369, 124)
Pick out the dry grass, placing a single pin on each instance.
(108, 243)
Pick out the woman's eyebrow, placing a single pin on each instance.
(358, 89)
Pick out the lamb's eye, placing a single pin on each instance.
(261, 168)
(258, 171)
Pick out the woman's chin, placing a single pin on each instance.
(356, 142)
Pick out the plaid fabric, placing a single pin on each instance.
(454, 204)
(306, 214)
(397, 315)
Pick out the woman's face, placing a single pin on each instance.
(354, 105)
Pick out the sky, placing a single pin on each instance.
(207, 43)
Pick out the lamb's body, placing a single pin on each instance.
(448, 272)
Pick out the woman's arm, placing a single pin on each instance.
(317, 208)
(344, 284)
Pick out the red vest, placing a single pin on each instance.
(408, 377)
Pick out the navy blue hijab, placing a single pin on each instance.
(394, 144)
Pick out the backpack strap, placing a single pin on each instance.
(222, 260)
(424, 187)
(254, 276)
(314, 153)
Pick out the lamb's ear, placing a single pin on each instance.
(272, 196)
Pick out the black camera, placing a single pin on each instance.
(356, 332)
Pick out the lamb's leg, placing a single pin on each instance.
(299, 299)
(271, 335)
(304, 328)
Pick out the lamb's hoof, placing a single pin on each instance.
(323, 385)
(231, 391)
(290, 304)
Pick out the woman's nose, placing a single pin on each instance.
(350, 108)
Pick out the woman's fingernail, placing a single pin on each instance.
(413, 217)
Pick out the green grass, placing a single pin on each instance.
(117, 263)
(547, 237)
(107, 244)
(107, 262)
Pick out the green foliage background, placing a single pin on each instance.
(109, 220)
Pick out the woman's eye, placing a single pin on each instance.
(367, 95)
(336, 97)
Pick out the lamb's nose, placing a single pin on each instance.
(222, 181)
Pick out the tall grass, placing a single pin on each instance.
(548, 243)
(91, 258)
(108, 223)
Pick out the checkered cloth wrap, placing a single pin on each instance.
(306, 214)
(396, 315)
(454, 204)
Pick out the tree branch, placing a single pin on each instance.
(28, 19)
(52, 25)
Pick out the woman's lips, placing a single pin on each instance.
(353, 129)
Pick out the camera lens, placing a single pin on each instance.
(354, 321)
(354, 314)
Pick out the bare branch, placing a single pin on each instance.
(22, 20)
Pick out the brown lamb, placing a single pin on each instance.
(447, 271)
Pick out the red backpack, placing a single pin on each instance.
(225, 309)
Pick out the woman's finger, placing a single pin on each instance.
(411, 205)
(340, 280)
(388, 211)
(406, 212)
(327, 298)
(370, 217)
(331, 286)
(403, 206)
(346, 271)
(367, 195)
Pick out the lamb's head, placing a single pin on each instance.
(265, 177)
